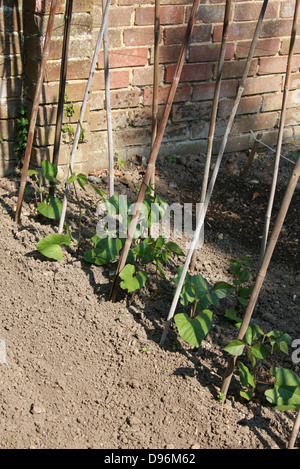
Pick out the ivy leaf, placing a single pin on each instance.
(193, 330)
(50, 246)
(131, 282)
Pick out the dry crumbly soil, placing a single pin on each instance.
(82, 372)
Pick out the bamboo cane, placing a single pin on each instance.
(214, 174)
(82, 111)
(280, 133)
(62, 86)
(108, 107)
(154, 152)
(263, 270)
(35, 106)
(213, 119)
(294, 431)
(155, 81)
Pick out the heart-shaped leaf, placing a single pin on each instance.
(193, 330)
(50, 246)
(130, 281)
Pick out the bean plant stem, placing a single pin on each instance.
(214, 175)
(262, 271)
(35, 106)
(280, 133)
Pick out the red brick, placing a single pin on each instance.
(77, 69)
(209, 52)
(175, 35)
(125, 57)
(265, 120)
(273, 102)
(257, 85)
(167, 54)
(251, 11)
(139, 36)
(264, 47)
(205, 91)
(126, 98)
(247, 105)
(208, 13)
(270, 65)
(183, 93)
(117, 79)
(119, 16)
(236, 31)
(168, 15)
(190, 72)
(285, 45)
(287, 9)
(191, 111)
(235, 69)
(277, 28)
(144, 76)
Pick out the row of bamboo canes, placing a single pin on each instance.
(267, 248)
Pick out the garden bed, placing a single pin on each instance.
(82, 372)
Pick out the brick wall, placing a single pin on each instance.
(131, 39)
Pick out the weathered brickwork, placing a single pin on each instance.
(131, 50)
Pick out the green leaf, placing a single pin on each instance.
(82, 180)
(51, 209)
(246, 377)
(98, 190)
(222, 289)
(131, 282)
(234, 266)
(279, 341)
(236, 347)
(105, 251)
(244, 276)
(253, 333)
(32, 172)
(50, 171)
(50, 246)
(193, 330)
(260, 351)
(232, 314)
(247, 394)
(173, 247)
(286, 392)
(71, 178)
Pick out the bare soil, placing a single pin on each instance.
(82, 372)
